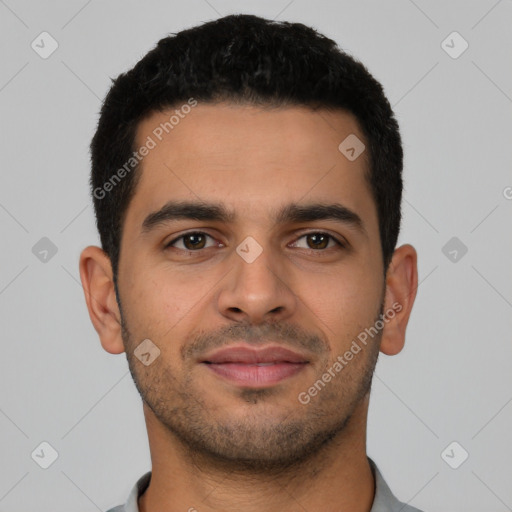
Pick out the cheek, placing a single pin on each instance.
(344, 305)
(343, 299)
(160, 303)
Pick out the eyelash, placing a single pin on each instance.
(340, 244)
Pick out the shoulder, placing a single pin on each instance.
(407, 508)
(385, 500)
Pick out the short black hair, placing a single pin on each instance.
(243, 59)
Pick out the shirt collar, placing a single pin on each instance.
(384, 500)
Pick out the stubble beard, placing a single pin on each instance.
(259, 443)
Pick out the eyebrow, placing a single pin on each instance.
(217, 212)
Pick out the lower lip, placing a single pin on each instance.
(252, 375)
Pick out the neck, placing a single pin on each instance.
(337, 478)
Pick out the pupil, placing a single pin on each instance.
(193, 239)
(315, 239)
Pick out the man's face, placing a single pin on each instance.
(215, 289)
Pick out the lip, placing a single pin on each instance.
(250, 355)
(255, 368)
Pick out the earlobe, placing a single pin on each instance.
(401, 286)
(97, 282)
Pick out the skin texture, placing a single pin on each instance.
(216, 445)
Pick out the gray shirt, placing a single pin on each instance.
(384, 500)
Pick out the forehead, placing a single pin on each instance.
(249, 158)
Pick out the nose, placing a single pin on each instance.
(257, 290)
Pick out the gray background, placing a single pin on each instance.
(450, 383)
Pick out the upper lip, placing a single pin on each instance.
(245, 354)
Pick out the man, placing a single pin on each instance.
(246, 177)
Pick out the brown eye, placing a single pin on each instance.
(190, 241)
(319, 241)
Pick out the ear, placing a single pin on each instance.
(97, 281)
(401, 286)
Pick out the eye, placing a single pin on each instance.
(196, 240)
(190, 241)
(319, 240)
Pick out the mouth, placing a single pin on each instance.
(250, 367)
